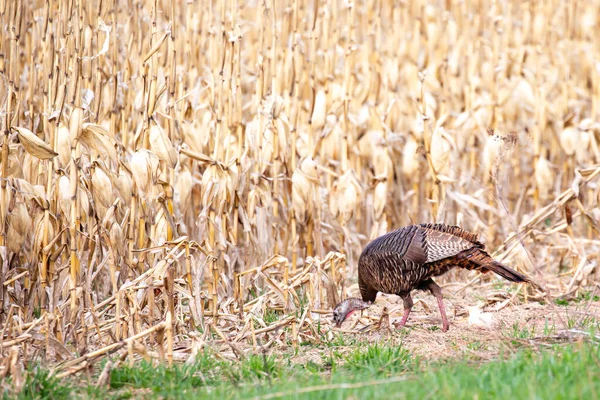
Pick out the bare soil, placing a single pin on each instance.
(480, 327)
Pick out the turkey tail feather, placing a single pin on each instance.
(505, 272)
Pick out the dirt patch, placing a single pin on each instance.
(479, 327)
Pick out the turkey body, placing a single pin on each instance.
(408, 258)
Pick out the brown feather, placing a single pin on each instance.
(505, 272)
(407, 258)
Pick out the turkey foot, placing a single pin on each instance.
(408, 303)
(437, 292)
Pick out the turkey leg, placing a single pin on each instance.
(408, 303)
(437, 292)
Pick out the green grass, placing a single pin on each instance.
(40, 386)
(373, 371)
(582, 296)
(522, 332)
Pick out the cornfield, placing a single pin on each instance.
(175, 172)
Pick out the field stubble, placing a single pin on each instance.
(185, 174)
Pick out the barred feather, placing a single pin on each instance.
(400, 261)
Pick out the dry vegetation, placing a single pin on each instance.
(207, 172)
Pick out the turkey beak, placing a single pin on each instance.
(338, 324)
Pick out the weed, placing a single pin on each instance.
(549, 330)
(522, 333)
(378, 359)
(476, 345)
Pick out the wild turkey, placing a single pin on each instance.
(406, 259)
